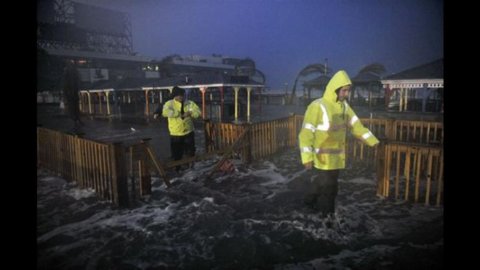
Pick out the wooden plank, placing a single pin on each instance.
(96, 169)
(429, 178)
(387, 170)
(91, 167)
(103, 173)
(407, 173)
(80, 162)
(109, 176)
(440, 180)
(417, 174)
(397, 173)
(380, 169)
(228, 153)
(145, 179)
(86, 165)
(119, 177)
(157, 163)
(72, 158)
(100, 169)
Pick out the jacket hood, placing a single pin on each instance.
(338, 80)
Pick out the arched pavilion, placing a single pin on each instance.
(214, 93)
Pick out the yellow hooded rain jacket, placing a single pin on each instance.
(323, 135)
(176, 125)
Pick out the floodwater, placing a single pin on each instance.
(251, 218)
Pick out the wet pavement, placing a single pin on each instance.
(247, 219)
(134, 128)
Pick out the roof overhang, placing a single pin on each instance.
(171, 87)
(97, 55)
(413, 83)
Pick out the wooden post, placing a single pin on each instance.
(249, 89)
(208, 135)
(380, 168)
(406, 100)
(248, 152)
(236, 89)
(89, 103)
(203, 90)
(221, 104)
(145, 180)
(156, 162)
(147, 106)
(418, 172)
(440, 179)
(429, 177)
(107, 93)
(397, 172)
(119, 175)
(407, 173)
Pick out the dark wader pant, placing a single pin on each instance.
(180, 145)
(323, 190)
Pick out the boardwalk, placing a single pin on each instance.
(249, 219)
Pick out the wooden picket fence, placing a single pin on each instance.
(411, 172)
(263, 139)
(411, 132)
(410, 152)
(420, 139)
(116, 171)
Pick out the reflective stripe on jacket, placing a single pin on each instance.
(323, 135)
(176, 125)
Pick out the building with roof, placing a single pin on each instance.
(367, 90)
(220, 96)
(115, 79)
(99, 41)
(416, 89)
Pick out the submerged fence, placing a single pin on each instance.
(411, 172)
(264, 138)
(420, 139)
(411, 132)
(409, 161)
(409, 157)
(116, 171)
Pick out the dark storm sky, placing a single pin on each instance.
(283, 36)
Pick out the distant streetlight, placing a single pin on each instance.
(286, 88)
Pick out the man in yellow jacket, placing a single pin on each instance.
(322, 141)
(180, 124)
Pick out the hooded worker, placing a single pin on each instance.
(180, 124)
(322, 141)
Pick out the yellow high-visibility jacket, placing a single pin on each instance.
(323, 135)
(176, 125)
